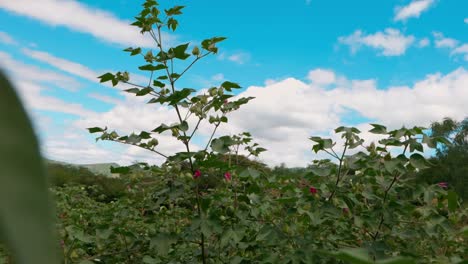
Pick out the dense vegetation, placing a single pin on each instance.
(258, 215)
(450, 164)
(368, 203)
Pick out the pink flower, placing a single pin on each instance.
(345, 210)
(443, 185)
(225, 101)
(312, 190)
(197, 174)
(227, 176)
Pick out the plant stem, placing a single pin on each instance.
(212, 134)
(152, 150)
(339, 171)
(185, 142)
(387, 190)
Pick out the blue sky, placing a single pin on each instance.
(312, 65)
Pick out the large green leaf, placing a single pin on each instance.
(26, 220)
(355, 256)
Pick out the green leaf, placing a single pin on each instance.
(27, 224)
(430, 142)
(452, 200)
(354, 256)
(132, 90)
(133, 51)
(172, 23)
(397, 260)
(144, 91)
(176, 10)
(150, 260)
(178, 96)
(158, 84)
(418, 161)
(106, 77)
(161, 128)
(151, 67)
(218, 145)
(144, 135)
(321, 171)
(184, 126)
(230, 85)
(86, 262)
(96, 129)
(179, 51)
(253, 172)
(163, 243)
(378, 129)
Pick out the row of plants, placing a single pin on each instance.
(363, 199)
(367, 201)
(213, 205)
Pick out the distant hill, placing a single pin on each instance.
(97, 168)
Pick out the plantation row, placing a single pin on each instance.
(365, 204)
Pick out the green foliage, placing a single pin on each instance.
(366, 207)
(25, 212)
(450, 165)
(104, 188)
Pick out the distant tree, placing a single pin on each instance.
(451, 161)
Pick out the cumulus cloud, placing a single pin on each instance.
(423, 43)
(390, 42)
(443, 42)
(133, 115)
(239, 58)
(284, 114)
(322, 76)
(82, 18)
(466, 20)
(412, 10)
(451, 44)
(461, 50)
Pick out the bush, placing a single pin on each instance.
(106, 189)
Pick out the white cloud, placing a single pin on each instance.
(31, 81)
(451, 44)
(391, 42)
(7, 39)
(322, 76)
(27, 72)
(239, 58)
(423, 42)
(105, 98)
(442, 42)
(218, 77)
(413, 9)
(285, 113)
(31, 94)
(82, 18)
(466, 20)
(78, 69)
(461, 50)
(281, 118)
(62, 64)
